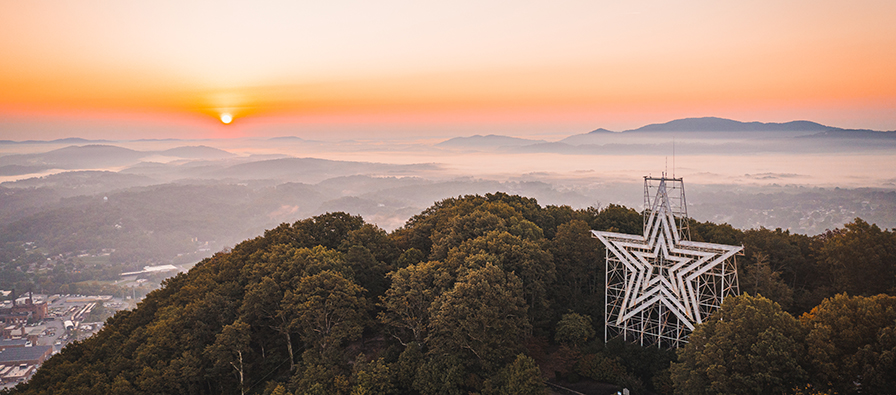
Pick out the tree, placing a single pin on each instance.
(375, 240)
(482, 318)
(520, 377)
(425, 230)
(311, 261)
(715, 233)
(851, 343)
(444, 374)
(579, 264)
(749, 346)
(330, 229)
(320, 376)
(861, 258)
(262, 306)
(367, 270)
(405, 369)
(525, 258)
(374, 377)
(408, 300)
(758, 278)
(789, 255)
(326, 309)
(230, 347)
(466, 227)
(615, 218)
(786, 253)
(574, 330)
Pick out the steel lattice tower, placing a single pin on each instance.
(660, 284)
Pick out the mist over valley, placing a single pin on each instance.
(179, 196)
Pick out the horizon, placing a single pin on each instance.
(545, 137)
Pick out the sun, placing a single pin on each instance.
(226, 118)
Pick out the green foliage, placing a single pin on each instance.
(374, 377)
(851, 343)
(601, 368)
(749, 346)
(574, 330)
(578, 258)
(230, 349)
(715, 233)
(407, 366)
(410, 257)
(482, 318)
(520, 377)
(326, 310)
(786, 253)
(442, 374)
(758, 278)
(861, 258)
(615, 218)
(319, 377)
(408, 300)
(327, 230)
(435, 230)
(627, 365)
(525, 258)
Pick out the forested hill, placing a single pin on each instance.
(489, 294)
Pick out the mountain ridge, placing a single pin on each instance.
(491, 140)
(716, 124)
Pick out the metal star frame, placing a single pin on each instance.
(659, 284)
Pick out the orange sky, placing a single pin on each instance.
(126, 69)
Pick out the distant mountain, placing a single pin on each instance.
(600, 131)
(156, 140)
(489, 141)
(714, 124)
(197, 152)
(83, 182)
(714, 128)
(596, 136)
(78, 157)
(77, 140)
(69, 140)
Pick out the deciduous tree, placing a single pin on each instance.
(749, 346)
(852, 343)
(326, 309)
(483, 318)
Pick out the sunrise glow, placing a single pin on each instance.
(226, 118)
(582, 64)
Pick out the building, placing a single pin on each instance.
(11, 343)
(15, 373)
(33, 355)
(19, 311)
(152, 270)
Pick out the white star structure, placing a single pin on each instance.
(663, 268)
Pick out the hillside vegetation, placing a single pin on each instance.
(488, 294)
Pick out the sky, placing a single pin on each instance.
(391, 69)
